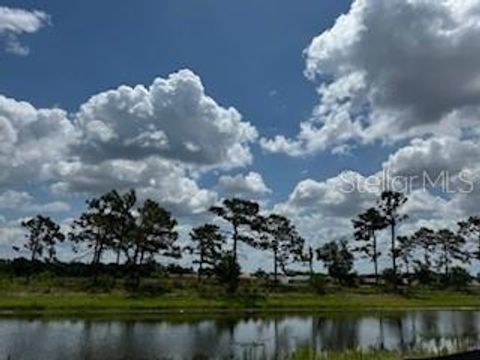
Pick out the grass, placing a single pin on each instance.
(308, 354)
(70, 295)
(186, 301)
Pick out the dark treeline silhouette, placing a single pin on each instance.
(136, 238)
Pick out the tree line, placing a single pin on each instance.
(138, 233)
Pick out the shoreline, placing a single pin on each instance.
(120, 305)
(5, 313)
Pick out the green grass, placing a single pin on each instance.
(59, 295)
(184, 301)
(307, 354)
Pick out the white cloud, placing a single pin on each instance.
(50, 207)
(158, 140)
(249, 185)
(15, 22)
(30, 139)
(323, 211)
(434, 156)
(11, 234)
(173, 118)
(22, 201)
(156, 178)
(392, 70)
(341, 196)
(12, 199)
(449, 165)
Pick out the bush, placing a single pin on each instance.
(261, 274)
(102, 283)
(424, 275)
(319, 284)
(458, 278)
(153, 288)
(389, 277)
(228, 273)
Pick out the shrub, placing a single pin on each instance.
(228, 273)
(319, 284)
(458, 278)
(424, 275)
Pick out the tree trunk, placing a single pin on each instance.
(478, 251)
(135, 277)
(310, 262)
(32, 261)
(200, 266)
(394, 256)
(275, 267)
(445, 259)
(117, 266)
(235, 238)
(375, 257)
(117, 261)
(96, 259)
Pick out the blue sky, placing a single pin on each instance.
(278, 100)
(248, 54)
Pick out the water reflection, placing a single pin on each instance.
(236, 337)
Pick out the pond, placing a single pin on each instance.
(243, 337)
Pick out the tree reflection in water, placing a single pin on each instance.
(252, 336)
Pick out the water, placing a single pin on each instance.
(248, 337)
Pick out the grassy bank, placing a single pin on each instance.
(57, 295)
(348, 355)
(351, 355)
(185, 301)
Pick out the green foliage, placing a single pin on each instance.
(389, 277)
(458, 278)
(227, 271)
(261, 274)
(451, 248)
(42, 237)
(280, 236)
(154, 288)
(319, 284)
(365, 227)
(338, 259)
(104, 283)
(243, 216)
(207, 246)
(389, 205)
(471, 229)
(424, 275)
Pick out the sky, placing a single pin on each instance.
(301, 106)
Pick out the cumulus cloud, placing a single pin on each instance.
(434, 157)
(15, 22)
(172, 118)
(30, 139)
(391, 70)
(447, 165)
(249, 185)
(341, 196)
(11, 234)
(22, 201)
(155, 178)
(158, 139)
(323, 209)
